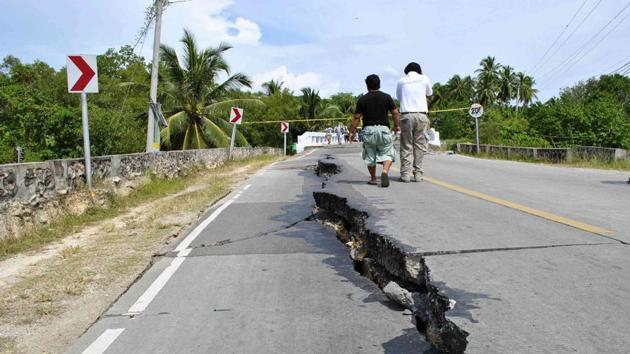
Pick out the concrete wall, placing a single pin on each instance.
(550, 154)
(37, 193)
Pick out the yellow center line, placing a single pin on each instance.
(536, 212)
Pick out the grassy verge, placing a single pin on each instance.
(50, 305)
(67, 224)
(623, 165)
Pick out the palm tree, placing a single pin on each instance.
(525, 87)
(487, 80)
(437, 97)
(345, 101)
(331, 111)
(197, 97)
(507, 84)
(459, 89)
(273, 87)
(310, 103)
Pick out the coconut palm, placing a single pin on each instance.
(437, 97)
(310, 103)
(525, 87)
(273, 87)
(198, 100)
(487, 81)
(345, 101)
(507, 84)
(460, 89)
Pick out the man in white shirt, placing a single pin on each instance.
(412, 91)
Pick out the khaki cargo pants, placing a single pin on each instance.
(413, 142)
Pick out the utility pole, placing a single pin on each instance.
(153, 129)
(518, 96)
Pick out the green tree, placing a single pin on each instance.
(310, 103)
(345, 101)
(486, 83)
(460, 89)
(438, 97)
(506, 84)
(272, 87)
(526, 93)
(197, 94)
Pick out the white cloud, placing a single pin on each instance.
(210, 24)
(296, 82)
(248, 31)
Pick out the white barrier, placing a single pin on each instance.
(434, 138)
(314, 139)
(319, 139)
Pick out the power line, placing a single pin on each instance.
(622, 68)
(567, 68)
(617, 63)
(571, 34)
(533, 69)
(562, 66)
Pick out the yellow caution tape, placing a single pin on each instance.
(343, 118)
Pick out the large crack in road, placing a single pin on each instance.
(403, 277)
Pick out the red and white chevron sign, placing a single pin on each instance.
(236, 115)
(284, 127)
(82, 74)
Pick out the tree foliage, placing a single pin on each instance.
(37, 113)
(196, 95)
(197, 90)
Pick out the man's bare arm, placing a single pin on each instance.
(355, 123)
(396, 119)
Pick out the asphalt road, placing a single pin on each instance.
(257, 276)
(523, 283)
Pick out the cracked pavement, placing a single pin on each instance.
(263, 277)
(260, 278)
(523, 284)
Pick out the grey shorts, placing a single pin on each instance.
(378, 145)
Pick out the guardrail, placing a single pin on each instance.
(550, 154)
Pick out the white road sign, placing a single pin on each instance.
(82, 74)
(236, 115)
(284, 127)
(476, 110)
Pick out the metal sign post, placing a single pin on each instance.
(236, 117)
(476, 111)
(284, 129)
(83, 79)
(19, 154)
(86, 140)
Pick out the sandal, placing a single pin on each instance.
(384, 180)
(372, 183)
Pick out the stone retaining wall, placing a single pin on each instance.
(550, 154)
(36, 193)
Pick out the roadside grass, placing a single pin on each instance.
(155, 188)
(451, 144)
(620, 165)
(82, 281)
(8, 345)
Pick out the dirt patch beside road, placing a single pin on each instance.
(49, 297)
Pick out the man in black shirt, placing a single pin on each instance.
(378, 144)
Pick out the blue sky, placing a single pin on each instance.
(333, 45)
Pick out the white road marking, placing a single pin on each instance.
(103, 342)
(145, 299)
(182, 250)
(197, 230)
